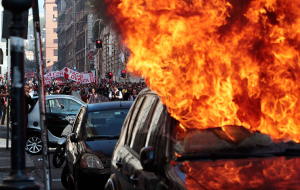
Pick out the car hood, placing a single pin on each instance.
(101, 146)
(235, 174)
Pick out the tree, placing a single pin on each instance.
(29, 64)
(96, 30)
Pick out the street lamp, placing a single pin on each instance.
(18, 178)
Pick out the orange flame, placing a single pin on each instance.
(218, 62)
(277, 172)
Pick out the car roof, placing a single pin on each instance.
(59, 96)
(109, 105)
(147, 91)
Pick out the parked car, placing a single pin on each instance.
(155, 152)
(95, 132)
(56, 120)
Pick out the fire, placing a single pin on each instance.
(218, 62)
(270, 173)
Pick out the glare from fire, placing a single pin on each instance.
(218, 62)
(270, 173)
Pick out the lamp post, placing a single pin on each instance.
(18, 178)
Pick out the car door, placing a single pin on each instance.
(137, 134)
(119, 167)
(72, 147)
(56, 115)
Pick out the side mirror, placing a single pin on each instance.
(147, 158)
(73, 138)
(62, 106)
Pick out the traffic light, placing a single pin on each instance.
(108, 75)
(99, 43)
(123, 74)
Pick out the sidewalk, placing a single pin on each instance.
(5, 158)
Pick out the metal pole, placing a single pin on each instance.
(85, 67)
(7, 107)
(41, 91)
(74, 34)
(125, 67)
(18, 178)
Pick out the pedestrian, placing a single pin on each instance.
(75, 91)
(31, 91)
(105, 92)
(128, 93)
(29, 102)
(94, 98)
(115, 94)
(133, 96)
(84, 98)
(56, 90)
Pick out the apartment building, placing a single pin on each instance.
(51, 40)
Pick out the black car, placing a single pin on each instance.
(95, 132)
(156, 152)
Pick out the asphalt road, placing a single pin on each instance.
(55, 172)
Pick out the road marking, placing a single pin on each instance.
(56, 179)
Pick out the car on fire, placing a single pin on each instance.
(155, 151)
(95, 132)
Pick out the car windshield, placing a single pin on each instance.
(228, 142)
(107, 123)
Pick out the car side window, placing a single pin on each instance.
(47, 106)
(155, 136)
(132, 118)
(70, 106)
(155, 125)
(141, 126)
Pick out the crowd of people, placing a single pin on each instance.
(95, 93)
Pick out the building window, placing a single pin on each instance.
(55, 52)
(54, 8)
(55, 41)
(54, 29)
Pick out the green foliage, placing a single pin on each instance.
(29, 64)
(96, 30)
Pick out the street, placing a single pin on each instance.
(55, 172)
(37, 171)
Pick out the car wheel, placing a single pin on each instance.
(64, 177)
(59, 156)
(113, 183)
(34, 144)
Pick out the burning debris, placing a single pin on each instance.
(216, 63)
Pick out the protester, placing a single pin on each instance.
(94, 98)
(128, 93)
(28, 102)
(31, 91)
(84, 98)
(75, 91)
(133, 96)
(115, 94)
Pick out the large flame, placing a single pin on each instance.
(218, 62)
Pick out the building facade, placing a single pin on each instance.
(51, 41)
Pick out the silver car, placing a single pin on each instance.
(56, 120)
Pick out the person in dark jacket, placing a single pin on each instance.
(93, 98)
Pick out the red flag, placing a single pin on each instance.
(91, 55)
(66, 75)
(32, 74)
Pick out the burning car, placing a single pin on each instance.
(227, 73)
(156, 152)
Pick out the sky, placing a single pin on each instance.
(41, 6)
